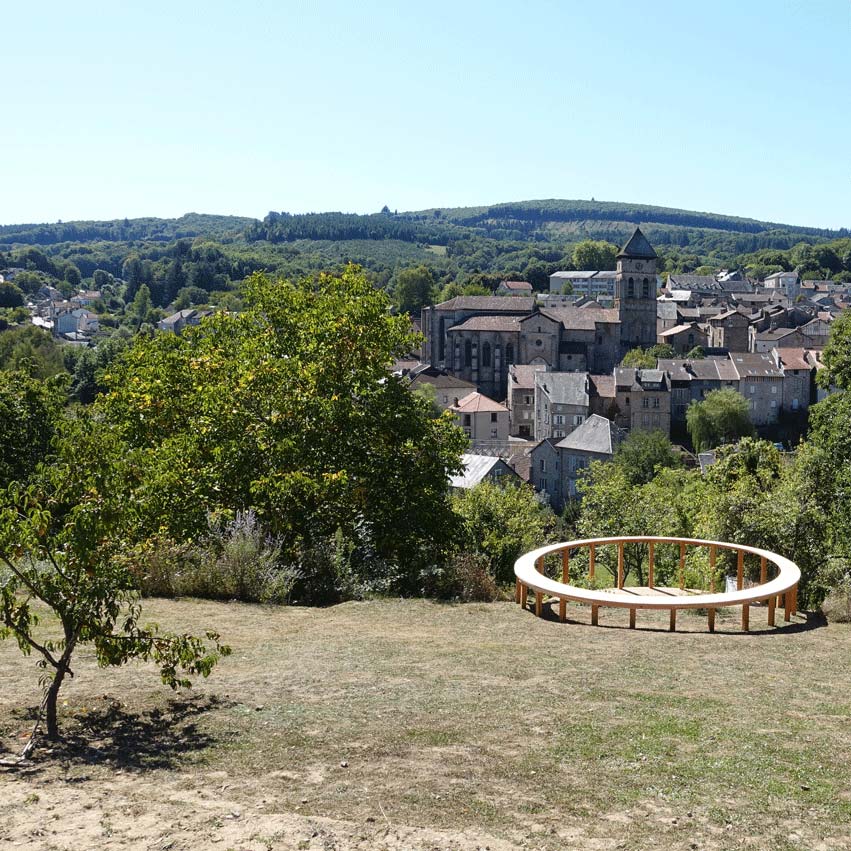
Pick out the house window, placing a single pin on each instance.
(527, 400)
(645, 403)
(486, 354)
(467, 420)
(577, 420)
(656, 402)
(468, 353)
(627, 400)
(558, 419)
(752, 388)
(558, 433)
(493, 418)
(493, 432)
(441, 339)
(773, 403)
(646, 288)
(774, 388)
(509, 353)
(543, 464)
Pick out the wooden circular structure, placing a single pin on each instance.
(779, 591)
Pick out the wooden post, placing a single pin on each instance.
(682, 567)
(632, 618)
(746, 613)
(595, 615)
(787, 599)
(620, 564)
(650, 564)
(517, 593)
(539, 603)
(562, 610)
(763, 571)
(565, 566)
(740, 571)
(795, 600)
(771, 602)
(673, 626)
(712, 620)
(524, 590)
(591, 555)
(713, 551)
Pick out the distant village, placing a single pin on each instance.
(537, 381)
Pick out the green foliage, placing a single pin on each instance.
(722, 417)
(413, 289)
(639, 358)
(643, 453)
(10, 295)
(289, 409)
(595, 254)
(31, 350)
(696, 353)
(501, 523)
(837, 355)
(63, 544)
(30, 410)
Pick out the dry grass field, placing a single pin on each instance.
(416, 725)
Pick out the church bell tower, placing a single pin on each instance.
(635, 292)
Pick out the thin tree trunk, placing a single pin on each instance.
(53, 690)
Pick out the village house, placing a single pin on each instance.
(557, 465)
(761, 383)
(520, 399)
(684, 338)
(482, 419)
(798, 377)
(692, 380)
(561, 403)
(447, 388)
(514, 288)
(175, 323)
(482, 468)
(729, 330)
(786, 282)
(642, 399)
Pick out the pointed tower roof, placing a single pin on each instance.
(638, 246)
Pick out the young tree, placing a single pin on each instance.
(722, 417)
(640, 358)
(10, 295)
(643, 453)
(595, 254)
(502, 523)
(63, 545)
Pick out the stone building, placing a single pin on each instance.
(798, 378)
(761, 383)
(561, 403)
(642, 399)
(729, 330)
(635, 293)
(683, 338)
(520, 399)
(482, 419)
(691, 380)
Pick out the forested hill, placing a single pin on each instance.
(468, 246)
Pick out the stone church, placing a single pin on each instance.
(478, 337)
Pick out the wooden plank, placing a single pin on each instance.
(524, 591)
(565, 566)
(595, 615)
(713, 552)
(740, 571)
(682, 567)
(620, 564)
(712, 620)
(539, 604)
(795, 600)
(763, 570)
(632, 618)
(746, 613)
(650, 564)
(673, 626)
(772, 600)
(517, 593)
(787, 607)
(592, 552)
(562, 610)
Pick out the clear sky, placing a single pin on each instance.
(133, 108)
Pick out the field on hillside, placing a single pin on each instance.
(417, 725)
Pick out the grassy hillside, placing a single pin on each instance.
(415, 725)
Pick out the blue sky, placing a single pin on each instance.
(133, 109)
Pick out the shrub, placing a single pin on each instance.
(465, 577)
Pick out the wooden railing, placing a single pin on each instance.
(779, 591)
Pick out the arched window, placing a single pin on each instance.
(468, 353)
(630, 289)
(509, 353)
(646, 288)
(486, 354)
(441, 345)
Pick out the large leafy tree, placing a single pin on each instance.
(643, 453)
(63, 547)
(595, 254)
(289, 408)
(722, 417)
(413, 289)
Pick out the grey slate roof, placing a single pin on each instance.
(638, 246)
(490, 303)
(476, 469)
(564, 388)
(596, 435)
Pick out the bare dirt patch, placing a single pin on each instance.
(410, 724)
